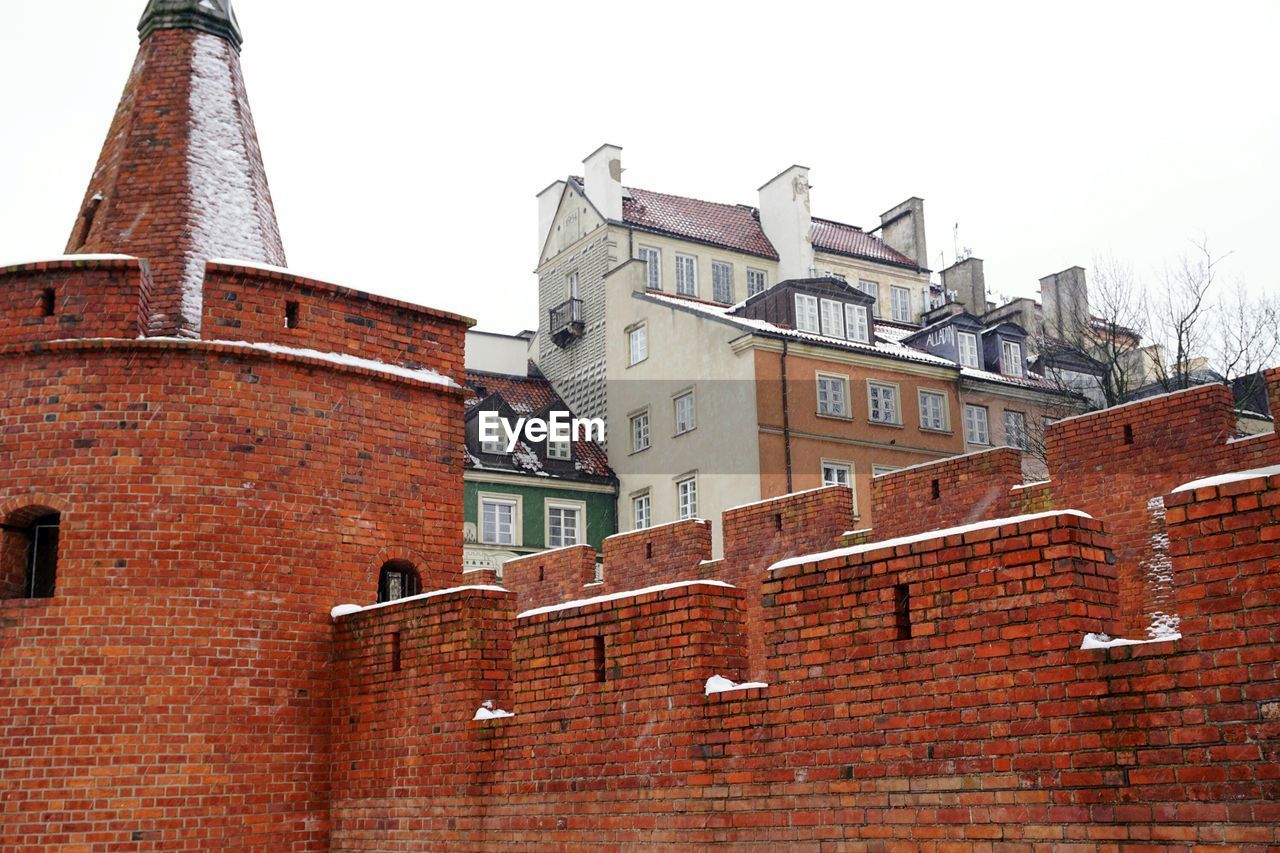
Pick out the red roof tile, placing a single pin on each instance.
(531, 395)
(852, 240)
(733, 226)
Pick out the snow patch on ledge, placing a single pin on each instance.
(488, 712)
(720, 684)
(631, 593)
(1223, 479)
(60, 259)
(420, 374)
(1102, 641)
(348, 609)
(854, 550)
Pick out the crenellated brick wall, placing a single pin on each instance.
(955, 491)
(550, 577)
(73, 298)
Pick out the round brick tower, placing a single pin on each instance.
(204, 453)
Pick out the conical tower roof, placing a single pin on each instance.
(180, 179)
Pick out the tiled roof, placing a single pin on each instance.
(851, 240)
(733, 226)
(530, 395)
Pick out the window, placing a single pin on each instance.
(652, 266)
(969, 350)
(638, 340)
(687, 497)
(832, 318)
(686, 275)
(564, 524)
(933, 410)
(559, 450)
(721, 281)
(857, 327)
(1015, 430)
(291, 315)
(883, 402)
(49, 302)
(398, 579)
(499, 521)
(833, 395)
(30, 553)
(685, 416)
(641, 512)
(498, 445)
(807, 313)
(881, 470)
(756, 282)
(975, 425)
(639, 432)
(873, 290)
(575, 291)
(837, 474)
(901, 303)
(1011, 358)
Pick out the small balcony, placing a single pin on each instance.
(566, 322)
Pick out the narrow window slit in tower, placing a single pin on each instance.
(601, 674)
(90, 211)
(48, 302)
(1128, 434)
(937, 490)
(395, 651)
(542, 573)
(902, 610)
(648, 550)
(291, 315)
(777, 520)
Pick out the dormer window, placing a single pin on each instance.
(968, 342)
(857, 326)
(832, 318)
(497, 446)
(807, 313)
(1011, 358)
(559, 450)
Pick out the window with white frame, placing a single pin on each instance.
(880, 470)
(686, 275)
(498, 445)
(837, 474)
(639, 432)
(857, 325)
(1015, 430)
(641, 512)
(721, 281)
(559, 450)
(686, 417)
(883, 402)
(807, 313)
(687, 497)
(564, 524)
(652, 266)
(901, 303)
(832, 318)
(872, 289)
(933, 410)
(757, 281)
(969, 350)
(833, 395)
(638, 344)
(975, 425)
(499, 521)
(1010, 358)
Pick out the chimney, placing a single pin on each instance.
(602, 171)
(548, 204)
(902, 228)
(785, 218)
(970, 285)
(1064, 300)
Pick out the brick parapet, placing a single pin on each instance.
(549, 577)
(668, 552)
(72, 298)
(959, 490)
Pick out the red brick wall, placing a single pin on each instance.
(246, 304)
(91, 299)
(551, 576)
(662, 554)
(947, 493)
(215, 505)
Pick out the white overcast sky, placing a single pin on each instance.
(405, 141)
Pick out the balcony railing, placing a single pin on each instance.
(566, 322)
